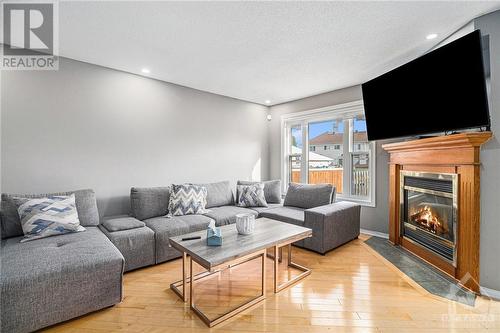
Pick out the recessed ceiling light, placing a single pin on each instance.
(431, 36)
(267, 101)
(145, 70)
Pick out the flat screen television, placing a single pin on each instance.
(442, 91)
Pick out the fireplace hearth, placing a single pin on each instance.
(429, 211)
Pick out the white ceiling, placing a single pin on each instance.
(258, 51)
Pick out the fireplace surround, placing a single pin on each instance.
(434, 201)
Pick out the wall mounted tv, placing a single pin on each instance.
(442, 91)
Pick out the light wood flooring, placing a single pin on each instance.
(351, 289)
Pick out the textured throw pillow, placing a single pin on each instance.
(272, 189)
(251, 195)
(187, 199)
(49, 216)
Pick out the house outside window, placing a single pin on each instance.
(344, 159)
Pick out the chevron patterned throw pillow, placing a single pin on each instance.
(251, 195)
(187, 199)
(50, 216)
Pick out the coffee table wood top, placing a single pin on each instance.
(267, 233)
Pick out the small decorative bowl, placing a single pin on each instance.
(245, 223)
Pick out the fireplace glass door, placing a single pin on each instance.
(428, 211)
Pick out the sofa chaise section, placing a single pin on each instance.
(54, 279)
(333, 223)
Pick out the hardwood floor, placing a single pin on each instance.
(351, 289)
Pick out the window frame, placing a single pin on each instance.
(341, 112)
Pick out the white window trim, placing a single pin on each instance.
(346, 110)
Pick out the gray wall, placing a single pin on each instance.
(372, 218)
(490, 160)
(86, 126)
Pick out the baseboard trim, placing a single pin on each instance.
(374, 233)
(492, 293)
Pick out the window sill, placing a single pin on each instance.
(363, 202)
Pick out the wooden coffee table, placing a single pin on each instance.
(237, 249)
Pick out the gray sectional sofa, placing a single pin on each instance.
(312, 206)
(50, 280)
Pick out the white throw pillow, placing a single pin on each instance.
(49, 216)
(187, 199)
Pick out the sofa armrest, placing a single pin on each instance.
(121, 222)
(333, 224)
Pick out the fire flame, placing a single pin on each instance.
(429, 220)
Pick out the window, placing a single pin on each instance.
(326, 166)
(295, 156)
(347, 159)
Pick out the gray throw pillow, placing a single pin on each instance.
(251, 195)
(272, 189)
(309, 195)
(50, 216)
(187, 199)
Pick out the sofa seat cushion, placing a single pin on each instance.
(292, 215)
(259, 210)
(227, 214)
(166, 227)
(119, 223)
(137, 246)
(71, 274)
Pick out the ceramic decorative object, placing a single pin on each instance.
(245, 223)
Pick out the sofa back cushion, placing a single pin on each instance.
(272, 189)
(148, 202)
(86, 207)
(219, 194)
(309, 195)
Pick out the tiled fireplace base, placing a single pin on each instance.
(427, 276)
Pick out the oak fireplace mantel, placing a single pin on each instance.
(456, 154)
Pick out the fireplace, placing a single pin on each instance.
(429, 211)
(434, 204)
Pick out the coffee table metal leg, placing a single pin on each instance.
(305, 271)
(187, 279)
(175, 286)
(212, 322)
